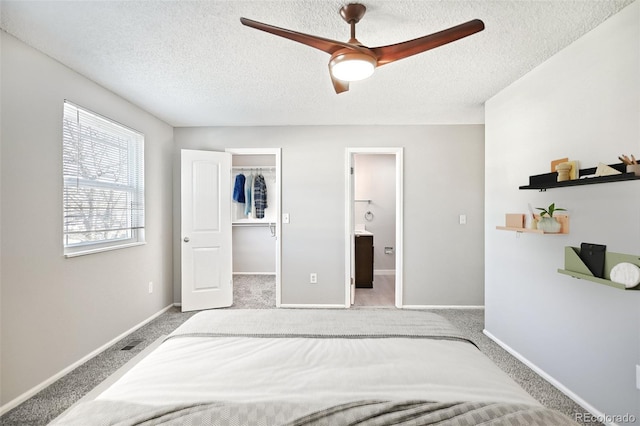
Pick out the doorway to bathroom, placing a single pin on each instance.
(373, 243)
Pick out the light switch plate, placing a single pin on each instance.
(285, 217)
(463, 219)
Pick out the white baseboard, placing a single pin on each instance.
(443, 306)
(562, 388)
(310, 306)
(254, 273)
(34, 390)
(294, 306)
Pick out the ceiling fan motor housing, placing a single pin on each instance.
(352, 12)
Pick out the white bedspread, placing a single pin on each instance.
(302, 369)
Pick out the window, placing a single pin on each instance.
(103, 171)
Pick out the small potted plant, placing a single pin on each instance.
(549, 224)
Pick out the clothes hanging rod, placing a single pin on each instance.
(363, 201)
(269, 168)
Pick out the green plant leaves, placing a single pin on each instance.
(550, 210)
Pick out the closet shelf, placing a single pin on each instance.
(248, 168)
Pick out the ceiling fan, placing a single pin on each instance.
(352, 61)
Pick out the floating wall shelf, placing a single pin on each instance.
(515, 229)
(574, 267)
(550, 180)
(519, 225)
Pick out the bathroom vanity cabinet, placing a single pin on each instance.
(364, 261)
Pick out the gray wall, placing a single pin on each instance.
(443, 260)
(54, 310)
(583, 103)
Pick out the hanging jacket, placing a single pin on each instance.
(260, 196)
(238, 189)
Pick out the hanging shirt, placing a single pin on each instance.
(238, 189)
(248, 190)
(260, 196)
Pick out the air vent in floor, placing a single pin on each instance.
(130, 345)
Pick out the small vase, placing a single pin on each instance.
(564, 171)
(549, 225)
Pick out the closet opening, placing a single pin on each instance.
(255, 221)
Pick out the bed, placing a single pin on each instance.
(314, 367)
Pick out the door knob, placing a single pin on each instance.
(186, 239)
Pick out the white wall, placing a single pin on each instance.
(55, 311)
(443, 260)
(375, 180)
(583, 103)
(254, 250)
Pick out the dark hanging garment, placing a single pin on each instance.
(260, 196)
(238, 189)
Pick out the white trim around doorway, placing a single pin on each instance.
(349, 225)
(277, 152)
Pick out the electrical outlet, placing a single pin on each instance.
(463, 219)
(150, 286)
(285, 217)
(313, 278)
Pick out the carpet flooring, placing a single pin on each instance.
(258, 292)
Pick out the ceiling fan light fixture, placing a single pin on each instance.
(353, 61)
(352, 66)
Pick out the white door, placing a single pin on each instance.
(350, 231)
(206, 230)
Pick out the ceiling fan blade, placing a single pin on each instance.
(339, 85)
(324, 44)
(394, 52)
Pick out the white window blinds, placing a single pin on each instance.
(103, 170)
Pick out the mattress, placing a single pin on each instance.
(314, 367)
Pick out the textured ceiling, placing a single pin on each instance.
(191, 63)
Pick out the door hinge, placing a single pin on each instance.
(351, 170)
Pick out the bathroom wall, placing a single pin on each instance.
(374, 179)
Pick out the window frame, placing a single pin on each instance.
(133, 190)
